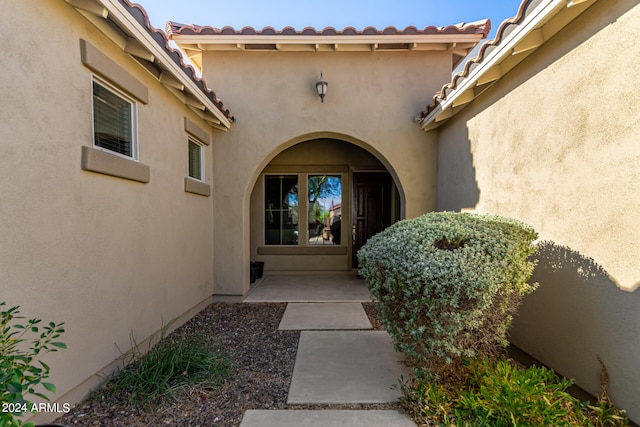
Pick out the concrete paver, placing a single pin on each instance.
(338, 362)
(324, 316)
(325, 418)
(346, 367)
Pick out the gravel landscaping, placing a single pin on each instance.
(263, 359)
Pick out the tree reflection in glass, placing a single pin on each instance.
(325, 209)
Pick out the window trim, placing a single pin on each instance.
(105, 163)
(134, 118)
(201, 147)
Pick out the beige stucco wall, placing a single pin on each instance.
(555, 144)
(108, 256)
(372, 101)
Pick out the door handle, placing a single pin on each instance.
(353, 233)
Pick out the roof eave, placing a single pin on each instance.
(323, 39)
(536, 28)
(460, 38)
(145, 48)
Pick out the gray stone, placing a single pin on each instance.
(324, 316)
(346, 367)
(325, 418)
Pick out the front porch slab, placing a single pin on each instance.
(310, 287)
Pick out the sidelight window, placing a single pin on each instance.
(281, 210)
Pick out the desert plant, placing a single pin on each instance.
(21, 369)
(448, 284)
(498, 392)
(167, 367)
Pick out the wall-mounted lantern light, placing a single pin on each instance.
(321, 87)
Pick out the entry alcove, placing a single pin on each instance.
(304, 209)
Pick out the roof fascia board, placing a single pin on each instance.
(195, 39)
(110, 30)
(504, 49)
(89, 6)
(117, 11)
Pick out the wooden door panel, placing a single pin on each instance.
(371, 207)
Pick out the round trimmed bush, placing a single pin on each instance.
(448, 284)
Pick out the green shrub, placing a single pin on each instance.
(448, 284)
(500, 393)
(168, 367)
(21, 367)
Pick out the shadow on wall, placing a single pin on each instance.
(457, 184)
(578, 315)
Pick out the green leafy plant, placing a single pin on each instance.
(498, 392)
(21, 369)
(448, 285)
(168, 367)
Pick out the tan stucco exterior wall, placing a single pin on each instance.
(372, 100)
(555, 144)
(108, 256)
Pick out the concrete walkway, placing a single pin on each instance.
(340, 360)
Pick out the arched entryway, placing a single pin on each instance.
(316, 202)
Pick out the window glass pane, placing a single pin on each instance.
(112, 121)
(195, 160)
(325, 209)
(281, 209)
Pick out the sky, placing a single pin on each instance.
(334, 13)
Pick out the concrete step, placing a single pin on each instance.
(325, 418)
(324, 316)
(346, 367)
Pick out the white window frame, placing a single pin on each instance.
(133, 118)
(202, 153)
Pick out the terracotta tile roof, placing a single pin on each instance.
(505, 28)
(140, 15)
(480, 27)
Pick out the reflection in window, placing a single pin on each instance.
(281, 210)
(325, 209)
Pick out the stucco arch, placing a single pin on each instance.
(320, 135)
(232, 245)
(338, 153)
(239, 162)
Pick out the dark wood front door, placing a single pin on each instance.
(371, 207)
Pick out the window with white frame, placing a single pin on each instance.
(114, 120)
(196, 160)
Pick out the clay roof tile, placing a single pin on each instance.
(505, 28)
(480, 27)
(140, 15)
